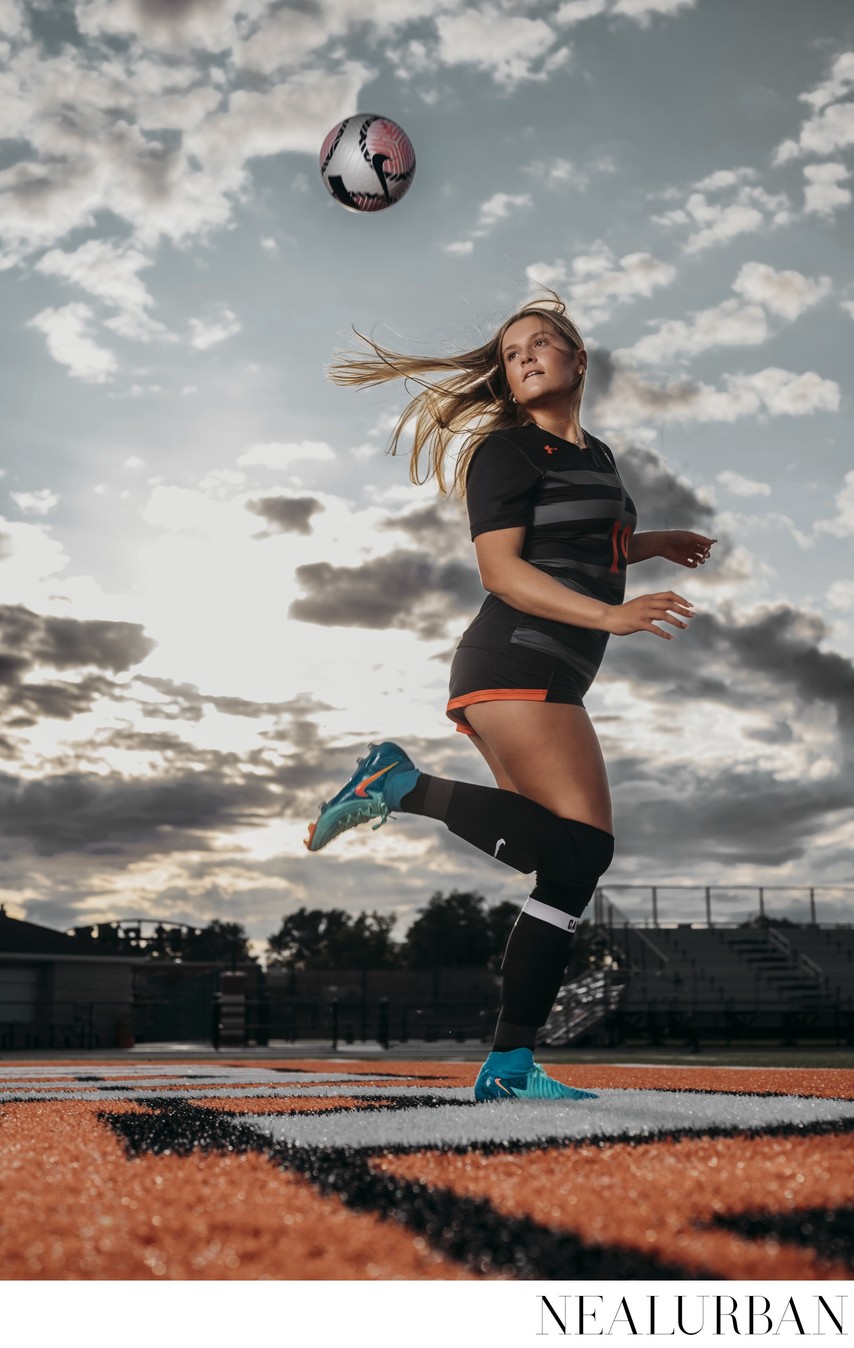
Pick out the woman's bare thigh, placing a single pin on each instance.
(551, 753)
(501, 777)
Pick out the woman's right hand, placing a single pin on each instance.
(641, 614)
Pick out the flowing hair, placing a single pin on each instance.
(473, 396)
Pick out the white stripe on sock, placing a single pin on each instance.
(546, 913)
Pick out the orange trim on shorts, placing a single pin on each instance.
(456, 704)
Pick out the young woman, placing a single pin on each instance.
(553, 529)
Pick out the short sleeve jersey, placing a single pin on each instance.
(578, 519)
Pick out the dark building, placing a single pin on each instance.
(59, 991)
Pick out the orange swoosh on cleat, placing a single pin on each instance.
(360, 789)
(501, 1086)
(308, 840)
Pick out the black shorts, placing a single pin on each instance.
(514, 675)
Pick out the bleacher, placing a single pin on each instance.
(693, 978)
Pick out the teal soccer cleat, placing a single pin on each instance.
(381, 778)
(532, 1083)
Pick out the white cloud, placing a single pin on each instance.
(727, 324)
(842, 524)
(739, 525)
(750, 208)
(208, 332)
(719, 223)
(11, 19)
(839, 83)
(294, 115)
(287, 37)
(784, 393)
(831, 126)
(171, 25)
(67, 332)
(841, 594)
(822, 193)
(574, 11)
(642, 10)
(499, 206)
(495, 208)
(110, 272)
(508, 46)
(742, 486)
(833, 130)
(786, 293)
(103, 135)
(631, 401)
(597, 281)
(280, 456)
(35, 502)
(722, 178)
(558, 171)
(31, 569)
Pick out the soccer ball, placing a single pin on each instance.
(367, 162)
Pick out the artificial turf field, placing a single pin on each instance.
(321, 1169)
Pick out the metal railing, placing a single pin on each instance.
(802, 963)
(658, 910)
(606, 914)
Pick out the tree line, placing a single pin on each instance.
(459, 929)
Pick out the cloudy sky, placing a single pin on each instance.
(216, 586)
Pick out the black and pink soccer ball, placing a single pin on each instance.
(367, 162)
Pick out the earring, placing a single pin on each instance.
(512, 398)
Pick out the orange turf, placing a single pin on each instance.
(657, 1197)
(75, 1205)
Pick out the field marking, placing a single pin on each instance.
(623, 1113)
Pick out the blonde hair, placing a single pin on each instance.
(475, 395)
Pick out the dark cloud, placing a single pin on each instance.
(186, 701)
(696, 819)
(402, 589)
(600, 373)
(12, 668)
(173, 12)
(65, 643)
(82, 812)
(32, 641)
(783, 643)
(439, 527)
(778, 733)
(285, 514)
(678, 823)
(32, 702)
(650, 400)
(664, 501)
(721, 659)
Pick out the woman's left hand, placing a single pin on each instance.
(684, 548)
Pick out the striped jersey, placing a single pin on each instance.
(578, 519)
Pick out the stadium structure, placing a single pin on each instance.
(650, 980)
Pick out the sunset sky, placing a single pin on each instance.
(215, 585)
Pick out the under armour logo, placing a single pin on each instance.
(550, 449)
(500, 843)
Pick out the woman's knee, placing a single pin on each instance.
(584, 856)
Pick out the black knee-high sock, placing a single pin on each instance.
(513, 829)
(535, 960)
(569, 858)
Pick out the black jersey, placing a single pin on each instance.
(578, 519)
